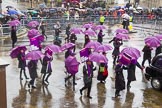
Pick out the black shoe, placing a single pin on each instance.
(75, 83)
(80, 91)
(29, 85)
(116, 95)
(21, 78)
(47, 81)
(89, 97)
(33, 87)
(27, 78)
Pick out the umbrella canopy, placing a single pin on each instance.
(33, 24)
(12, 11)
(133, 52)
(53, 48)
(103, 48)
(15, 51)
(100, 27)
(34, 55)
(122, 36)
(71, 65)
(9, 7)
(159, 36)
(32, 33)
(87, 25)
(14, 23)
(99, 58)
(89, 32)
(92, 44)
(76, 30)
(39, 37)
(66, 46)
(122, 31)
(152, 41)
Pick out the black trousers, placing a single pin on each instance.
(24, 73)
(87, 87)
(67, 78)
(46, 78)
(31, 82)
(143, 62)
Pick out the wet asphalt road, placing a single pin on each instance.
(56, 95)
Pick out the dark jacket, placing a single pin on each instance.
(73, 38)
(32, 66)
(22, 60)
(68, 30)
(158, 50)
(131, 71)
(87, 79)
(86, 40)
(119, 78)
(102, 72)
(13, 35)
(44, 64)
(116, 50)
(100, 37)
(147, 52)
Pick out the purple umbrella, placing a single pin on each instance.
(89, 32)
(76, 30)
(33, 24)
(100, 27)
(32, 33)
(34, 55)
(87, 25)
(39, 37)
(152, 41)
(99, 58)
(92, 44)
(133, 52)
(159, 36)
(72, 65)
(15, 51)
(122, 36)
(53, 48)
(103, 48)
(66, 46)
(122, 31)
(14, 23)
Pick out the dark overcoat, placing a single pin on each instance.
(32, 66)
(22, 60)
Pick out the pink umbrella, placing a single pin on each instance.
(34, 55)
(122, 31)
(72, 65)
(99, 58)
(66, 46)
(103, 48)
(89, 32)
(53, 48)
(39, 37)
(133, 52)
(159, 36)
(152, 41)
(76, 30)
(92, 44)
(14, 23)
(87, 25)
(32, 33)
(100, 27)
(33, 24)
(15, 51)
(122, 36)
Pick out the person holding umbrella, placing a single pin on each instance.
(22, 63)
(68, 32)
(100, 36)
(46, 66)
(32, 66)
(116, 51)
(87, 39)
(13, 36)
(146, 54)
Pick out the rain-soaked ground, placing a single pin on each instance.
(57, 95)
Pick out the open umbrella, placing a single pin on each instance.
(66, 46)
(152, 41)
(33, 24)
(103, 48)
(99, 58)
(122, 36)
(12, 11)
(34, 55)
(87, 25)
(133, 52)
(32, 33)
(53, 48)
(72, 65)
(39, 37)
(15, 51)
(122, 31)
(76, 30)
(159, 36)
(89, 32)
(14, 23)
(100, 27)
(92, 44)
